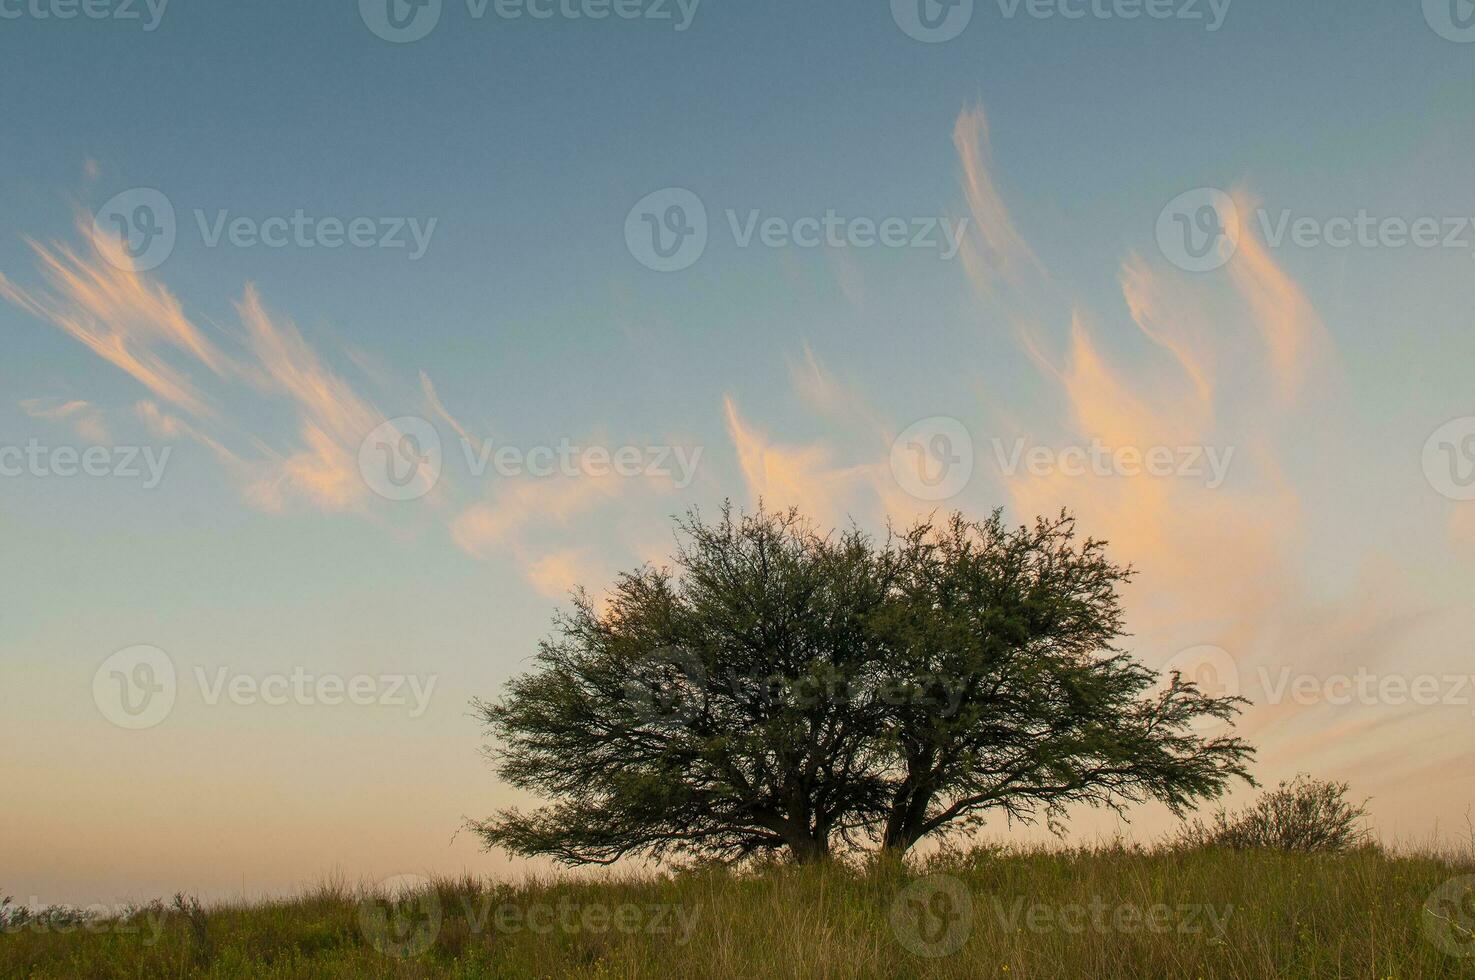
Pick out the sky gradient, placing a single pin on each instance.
(1319, 351)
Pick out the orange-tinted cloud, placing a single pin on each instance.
(994, 252)
(85, 419)
(793, 476)
(1289, 325)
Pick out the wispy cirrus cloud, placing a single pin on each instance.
(122, 316)
(1222, 363)
(563, 571)
(802, 476)
(1225, 565)
(1289, 325)
(132, 321)
(994, 252)
(86, 419)
(226, 390)
(488, 527)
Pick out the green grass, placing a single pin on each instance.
(1100, 913)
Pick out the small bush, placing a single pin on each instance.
(1304, 814)
(15, 917)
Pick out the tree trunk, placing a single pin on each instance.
(808, 849)
(904, 822)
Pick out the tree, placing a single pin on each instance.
(710, 714)
(1044, 711)
(783, 690)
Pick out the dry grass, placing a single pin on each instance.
(1101, 913)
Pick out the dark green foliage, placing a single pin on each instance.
(726, 712)
(1048, 713)
(783, 690)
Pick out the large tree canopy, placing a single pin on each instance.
(1043, 711)
(783, 690)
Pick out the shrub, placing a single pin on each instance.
(1303, 814)
(16, 917)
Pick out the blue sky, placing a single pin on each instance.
(528, 142)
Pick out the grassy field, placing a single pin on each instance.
(1099, 913)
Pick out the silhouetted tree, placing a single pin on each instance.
(782, 690)
(1043, 711)
(709, 712)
